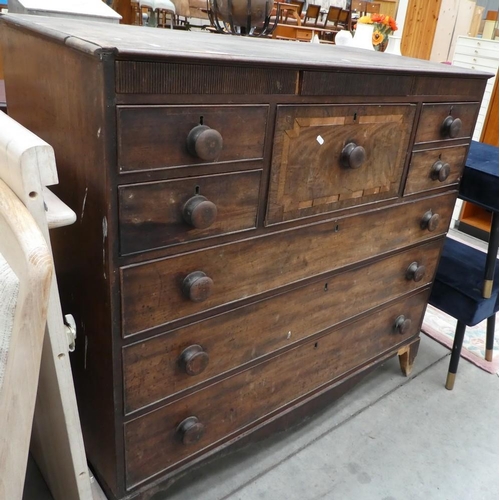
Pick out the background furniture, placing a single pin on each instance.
(94, 10)
(25, 273)
(257, 230)
(466, 285)
(27, 166)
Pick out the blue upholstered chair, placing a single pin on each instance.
(466, 283)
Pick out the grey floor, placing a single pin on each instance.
(390, 438)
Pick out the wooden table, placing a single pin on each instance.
(291, 9)
(301, 33)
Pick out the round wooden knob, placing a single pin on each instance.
(193, 360)
(190, 430)
(451, 127)
(429, 221)
(402, 325)
(199, 212)
(440, 171)
(204, 142)
(352, 156)
(197, 286)
(415, 272)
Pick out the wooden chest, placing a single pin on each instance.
(259, 224)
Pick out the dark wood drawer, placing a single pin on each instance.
(156, 293)
(155, 137)
(152, 443)
(432, 127)
(330, 157)
(435, 168)
(165, 213)
(165, 365)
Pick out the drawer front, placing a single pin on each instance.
(435, 168)
(477, 42)
(475, 51)
(431, 126)
(330, 157)
(165, 365)
(156, 137)
(158, 292)
(152, 443)
(477, 60)
(165, 213)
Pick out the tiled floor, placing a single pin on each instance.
(390, 438)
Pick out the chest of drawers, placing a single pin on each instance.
(258, 226)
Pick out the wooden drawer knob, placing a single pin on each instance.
(199, 212)
(440, 171)
(451, 127)
(193, 360)
(429, 221)
(402, 325)
(352, 156)
(204, 142)
(190, 430)
(197, 286)
(415, 272)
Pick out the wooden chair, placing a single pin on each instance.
(27, 166)
(466, 283)
(332, 16)
(25, 275)
(344, 20)
(312, 13)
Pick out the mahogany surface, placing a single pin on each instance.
(259, 225)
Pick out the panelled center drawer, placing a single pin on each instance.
(158, 292)
(167, 364)
(439, 122)
(434, 168)
(153, 443)
(156, 137)
(330, 157)
(165, 213)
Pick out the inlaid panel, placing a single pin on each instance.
(330, 157)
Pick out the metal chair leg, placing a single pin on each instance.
(455, 355)
(490, 337)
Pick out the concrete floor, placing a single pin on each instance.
(390, 438)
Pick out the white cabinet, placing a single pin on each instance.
(482, 55)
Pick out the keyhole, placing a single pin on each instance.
(201, 120)
(439, 156)
(336, 228)
(451, 109)
(326, 287)
(355, 116)
(197, 190)
(315, 345)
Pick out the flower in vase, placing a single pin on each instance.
(377, 37)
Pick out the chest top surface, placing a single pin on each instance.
(131, 42)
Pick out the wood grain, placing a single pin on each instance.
(154, 137)
(433, 115)
(151, 369)
(151, 441)
(151, 292)
(307, 176)
(419, 175)
(151, 214)
(420, 26)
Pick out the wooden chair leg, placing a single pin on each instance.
(455, 355)
(490, 337)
